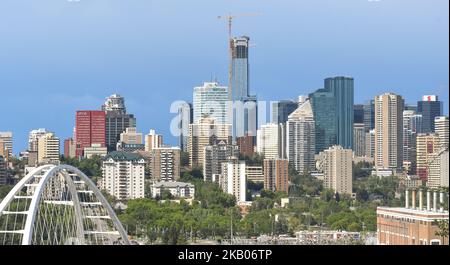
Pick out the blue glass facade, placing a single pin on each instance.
(429, 111)
(324, 109)
(343, 91)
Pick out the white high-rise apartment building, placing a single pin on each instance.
(444, 169)
(300, 138)
(153, 140)
(270, 140)
(210, 100)
(233, 179)
(336, 165)
(389, 131)
(123, 175)
(48, 148)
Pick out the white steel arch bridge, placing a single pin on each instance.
(58, 205)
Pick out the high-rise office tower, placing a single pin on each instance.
(69, 148)
(336, 165)
(276, 175)
(358, 113)
(281, 110)
(210, 100)
(205, 132)
(300, 134)
(166, 163)
(244, 113)
(427, 152)
(185, 118)
(33, 137)
(412, 123)
(369, 115)
(131, 136)
(389, 131)
(430, 107)
(117, 120)
(48, 149)
(441, 128)
(213, 157)
(233, 180)
(343, 91)
(324, 109)
(7, 139)
(153, 140)
(359, 139)
(271, 141)
(89, 129)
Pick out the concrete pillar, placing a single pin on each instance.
(441, 202)
(428, 200)
(435, 201)
(421, 199)
(407, 199)
(413, 199)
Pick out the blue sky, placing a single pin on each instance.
(57, 56)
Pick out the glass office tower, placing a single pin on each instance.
(343, 91)
(324, 109)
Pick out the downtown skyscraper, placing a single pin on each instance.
(210, 100)
(244, 109)
(117, 120)
(430, 107)
(333, 113)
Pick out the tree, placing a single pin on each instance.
(443, 229)
(4, 190)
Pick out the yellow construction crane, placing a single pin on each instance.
(230, 18)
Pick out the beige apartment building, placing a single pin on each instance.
(48, 149)
(389, 131)
(336, 165)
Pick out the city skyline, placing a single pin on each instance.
(89, 75)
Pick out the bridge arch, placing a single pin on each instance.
(58, 205)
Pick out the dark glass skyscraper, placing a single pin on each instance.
(117, 120)
(369, 116)
(343, 91)
(430, 107)
(358, 113)
(281, 110)
(324, 109)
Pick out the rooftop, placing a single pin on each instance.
(123, 156)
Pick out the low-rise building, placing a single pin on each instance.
(95, 150)
(177, 189)
(411, 225)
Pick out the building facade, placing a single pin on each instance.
(281, 110)
(123, 175)
(179, 190)
(300, 138)
(270, 141)
(210, 100)
(233, 180)
(430, 107)
(213, 157)
(427, 149)
(166, 163)
(153, 140)
(89, 129)
(359, 139)
(389, 131)
(48, 149)
(441, 127)
(411, 225)
(117, 120)
(336, 165)
(205, 132)
(7, 139)
(276, 175)
(324, 110)
(246, 145)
